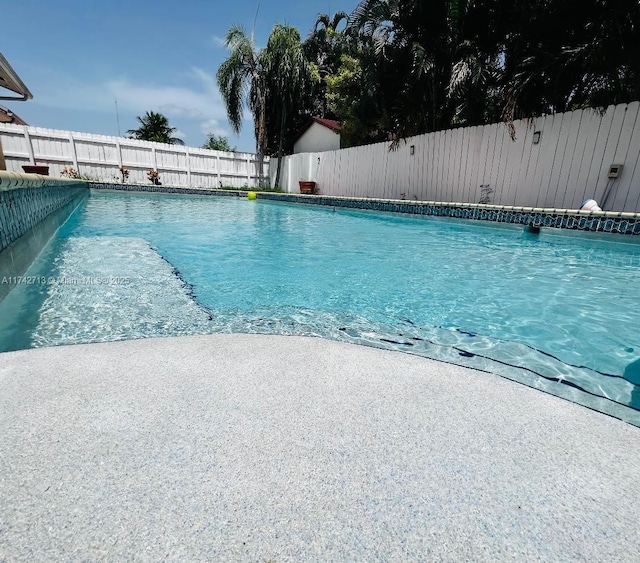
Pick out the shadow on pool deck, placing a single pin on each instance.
(246, 447)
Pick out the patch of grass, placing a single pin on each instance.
(248, 189)
(88, 178)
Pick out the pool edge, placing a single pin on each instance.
(614, 222)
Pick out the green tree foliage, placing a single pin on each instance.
(414, 42)
(347, 97)
(324, 47)
(218, 143)
(398, 68)
(155, 127)
(588, 55)
(446, 62)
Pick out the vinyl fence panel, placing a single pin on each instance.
(98, 157)
(482, 164)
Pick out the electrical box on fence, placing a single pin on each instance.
(614, 170)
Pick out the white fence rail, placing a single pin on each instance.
(99, 156)
(569, 163)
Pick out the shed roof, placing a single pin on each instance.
(8, 116)
(328, 123)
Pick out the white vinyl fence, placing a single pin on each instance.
(569, 163)
(99, 156)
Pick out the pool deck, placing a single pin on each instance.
(273, 448)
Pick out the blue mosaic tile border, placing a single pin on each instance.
(571, 219)
(603, 222)
(165, 189)
(23, 208)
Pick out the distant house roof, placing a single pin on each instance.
(7, 116)
(11, 81)
(328, 123)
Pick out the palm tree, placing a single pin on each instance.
(241, 79)
(431, 70)
(477, 59)
(155, 127)
(291, 78)
(274, 82)
(409, 41)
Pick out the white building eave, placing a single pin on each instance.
(11, 81)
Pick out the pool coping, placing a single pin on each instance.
(14, 180)
(616, 222)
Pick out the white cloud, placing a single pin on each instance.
(203, 102)
(198, 99)
(213, 126)
(207, 79)
(194, 101)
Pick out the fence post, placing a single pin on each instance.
(188, 167)
(74, 155)
(248, 171)
(118, 152)
(218, 171)
(155, 158)
(32, 158)
(3, 164)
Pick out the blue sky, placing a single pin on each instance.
(78, 56)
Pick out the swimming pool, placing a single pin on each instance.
(553, 311)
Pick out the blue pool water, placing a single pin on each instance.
(553, 311)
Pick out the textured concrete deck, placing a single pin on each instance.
(258, 448)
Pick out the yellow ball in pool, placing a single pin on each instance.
(251, 195)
